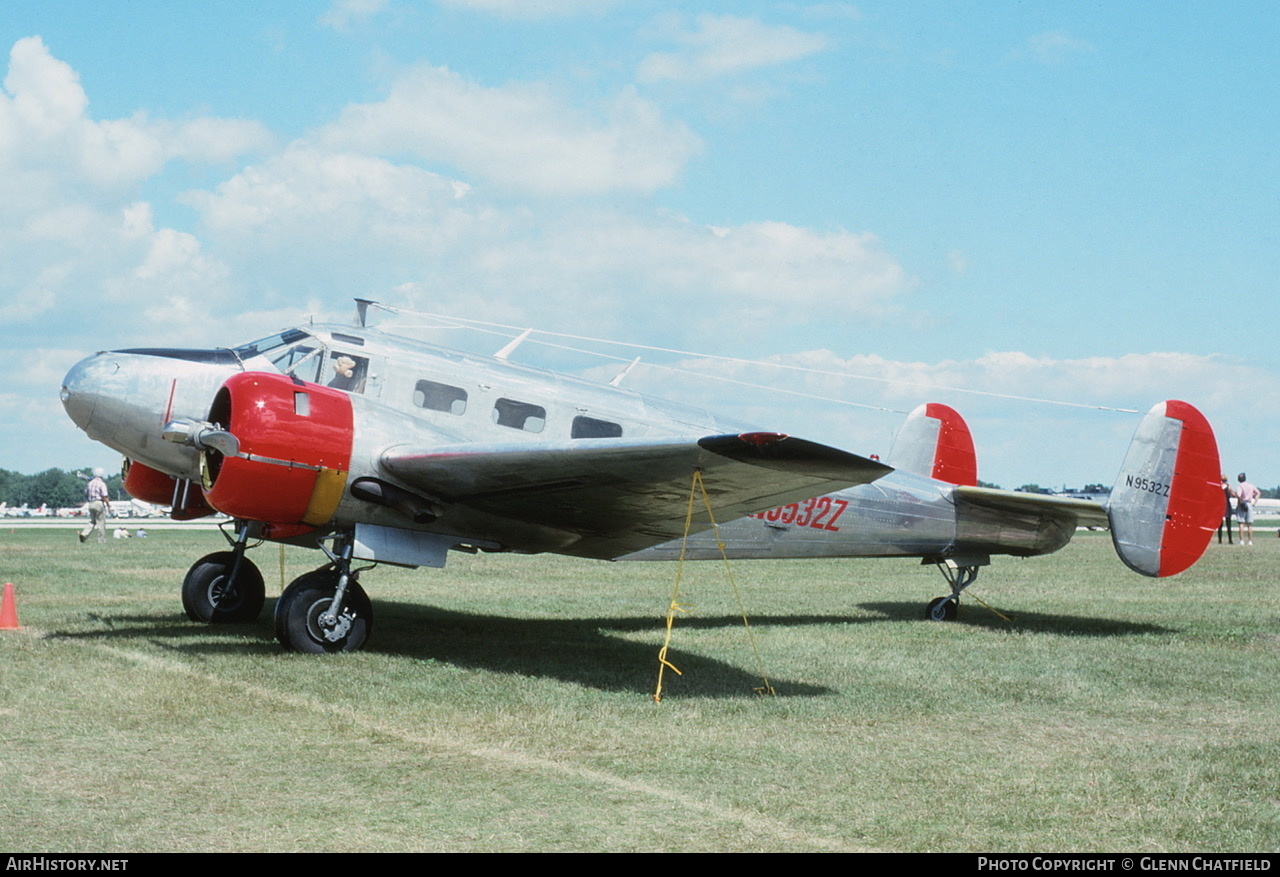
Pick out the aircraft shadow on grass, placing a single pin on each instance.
(974, 615)
(582, 651)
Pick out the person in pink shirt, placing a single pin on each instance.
(1246, 496)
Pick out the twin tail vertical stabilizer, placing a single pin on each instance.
(934, 441)
(1167, 499)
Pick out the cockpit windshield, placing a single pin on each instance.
(263, 346)
(292, 351)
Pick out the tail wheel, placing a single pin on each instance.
(941, 609)
(303, 621)
(210, 596)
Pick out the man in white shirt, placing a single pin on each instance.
(95, 492)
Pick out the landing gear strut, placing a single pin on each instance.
(325, 610)
(960, 574)
(224, 587)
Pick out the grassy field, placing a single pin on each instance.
(505, 703)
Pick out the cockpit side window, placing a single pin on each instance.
(348, 372)
(302, 361)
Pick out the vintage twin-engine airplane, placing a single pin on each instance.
(378, 448)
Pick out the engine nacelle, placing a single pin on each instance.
(147, 484)
(294, 450)
(158, 488)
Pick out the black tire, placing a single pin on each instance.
(940, 609)
(299, 608)
(210, 598)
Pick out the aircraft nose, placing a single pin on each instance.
(123, 398)
(82, 387)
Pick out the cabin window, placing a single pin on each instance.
(519, 415)
(589, 427)
(440, 397)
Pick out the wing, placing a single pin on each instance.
(620, 495)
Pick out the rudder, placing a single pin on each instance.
(1167, 499)
(934, 441)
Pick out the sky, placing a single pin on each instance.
(982, 204)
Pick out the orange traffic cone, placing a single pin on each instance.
(9, 609)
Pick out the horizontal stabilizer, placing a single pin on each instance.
(1167, 499)
(1070, 511)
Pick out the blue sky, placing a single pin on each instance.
(1071, 202)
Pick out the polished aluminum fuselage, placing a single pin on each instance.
(124, 399)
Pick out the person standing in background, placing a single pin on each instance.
(1227, 512)
(1246, 496)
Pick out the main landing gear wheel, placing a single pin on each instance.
(211, 596)
(940, 609)
(303, 621)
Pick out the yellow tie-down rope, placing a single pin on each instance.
(695, 487)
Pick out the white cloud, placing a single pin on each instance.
(791, 272)
(344, 14)
(49, 147)
(79, 253)
(519, 136)
(725, 45)
(311, 204)
(369, 225)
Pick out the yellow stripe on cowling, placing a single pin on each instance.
(325, 496)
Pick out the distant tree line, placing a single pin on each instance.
(57, 488)
(53, 487)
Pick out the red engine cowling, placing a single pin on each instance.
(147, 484)
(151, 485)
(295, 450)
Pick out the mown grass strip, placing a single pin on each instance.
(504, 704)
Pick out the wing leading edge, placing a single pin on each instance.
(620, 495)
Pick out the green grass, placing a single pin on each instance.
(504, 703)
